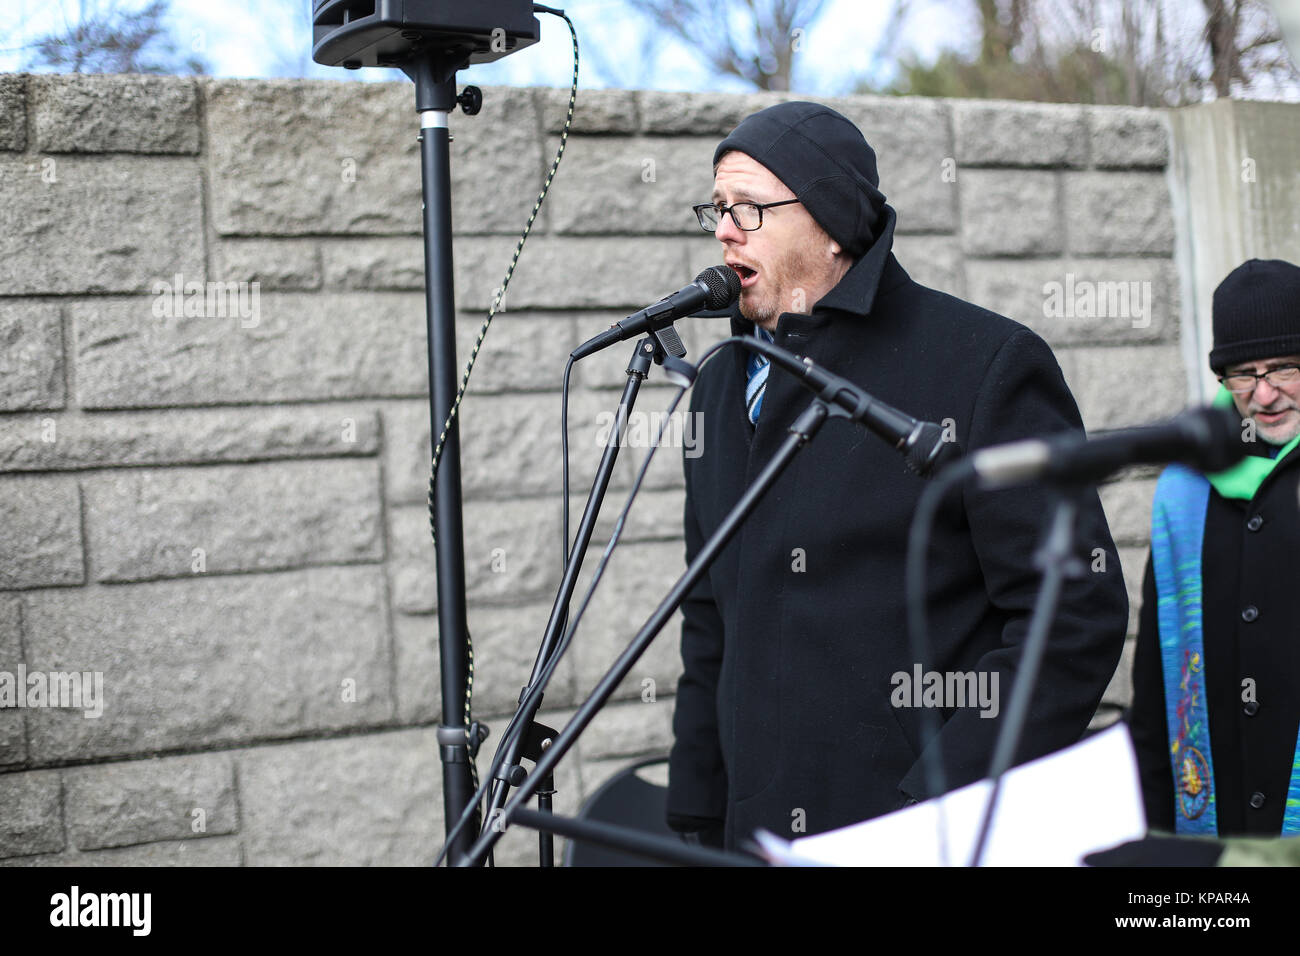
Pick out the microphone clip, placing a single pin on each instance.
(663, 347)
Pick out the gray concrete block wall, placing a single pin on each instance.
(223, 514)
(1235, 179)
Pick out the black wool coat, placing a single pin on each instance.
(1247, 562)
(783, 715)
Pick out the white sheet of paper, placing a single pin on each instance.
(1051, 812)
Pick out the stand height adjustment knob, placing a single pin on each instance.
(471, 101)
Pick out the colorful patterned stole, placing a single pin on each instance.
(1177, 533)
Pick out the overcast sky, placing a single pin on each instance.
(268, 38)
(272, 38)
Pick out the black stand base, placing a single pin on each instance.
(633, 841)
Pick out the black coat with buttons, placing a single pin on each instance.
(1249, 633)
(783, 716)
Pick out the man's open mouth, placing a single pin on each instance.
(747, 275)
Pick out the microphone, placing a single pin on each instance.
(714, 288)
(922, 443)
(1208, 439)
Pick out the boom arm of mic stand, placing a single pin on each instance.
(805, 427)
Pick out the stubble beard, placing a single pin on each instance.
(764, 315)
(1278, 434)
(781, 286)
(1273, 436)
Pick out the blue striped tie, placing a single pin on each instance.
(757, 368)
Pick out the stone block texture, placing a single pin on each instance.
(13, 113)
(31, 356)
(215, 437)
(85, 224)
(115, 114)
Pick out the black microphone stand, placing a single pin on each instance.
(430, 42)
(1058, 562)
(532, 738)
(804, 428)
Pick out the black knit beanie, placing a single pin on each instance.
(825, 161)
(1256, 313)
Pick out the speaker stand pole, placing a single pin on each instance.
(435, 98)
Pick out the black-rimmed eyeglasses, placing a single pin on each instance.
(747, 216)
(1239, 383)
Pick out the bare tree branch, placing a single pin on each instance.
(1141, 52)
(104, 38)
(752, 40)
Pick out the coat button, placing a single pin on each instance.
(1249, 613)
(1251, 708)
(1255, 523)
(1256, 799)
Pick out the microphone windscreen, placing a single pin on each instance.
(1224, 438)
(723, 286)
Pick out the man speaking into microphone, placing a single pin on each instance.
(790, 714)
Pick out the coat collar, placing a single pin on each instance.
(854, 295)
